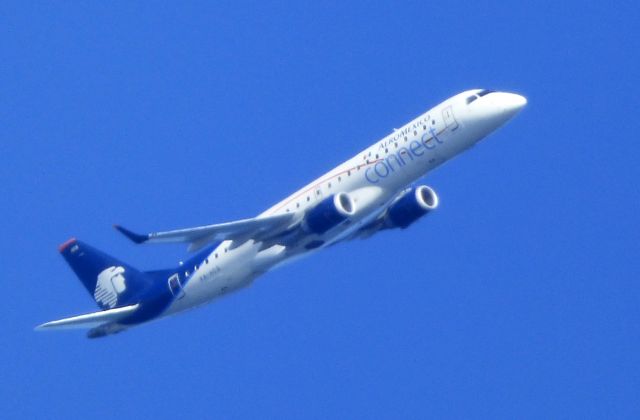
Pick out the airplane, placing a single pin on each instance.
(373, 191)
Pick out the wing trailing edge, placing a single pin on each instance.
(245, 229)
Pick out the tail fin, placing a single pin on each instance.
(111, 282)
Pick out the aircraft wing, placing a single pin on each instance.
(91, 320)
(256, 228)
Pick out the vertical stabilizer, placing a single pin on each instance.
(111, 282)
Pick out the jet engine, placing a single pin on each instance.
(329, 213)
(411, 206)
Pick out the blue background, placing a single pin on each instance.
(517, 298)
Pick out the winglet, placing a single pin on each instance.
(66, 244)
(135, 237)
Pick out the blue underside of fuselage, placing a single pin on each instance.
(157, 298)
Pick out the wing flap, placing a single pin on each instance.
(91, 320)
(255, 228)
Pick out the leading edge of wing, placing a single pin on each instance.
(245, 228)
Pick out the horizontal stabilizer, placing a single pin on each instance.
(91, 320)
(256, 228)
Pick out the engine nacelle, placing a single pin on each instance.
(329, 213)
(411, 206)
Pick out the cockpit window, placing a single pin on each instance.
(471, 99)
(485, 92)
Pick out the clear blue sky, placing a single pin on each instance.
(518, 298)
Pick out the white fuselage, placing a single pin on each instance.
(372, 178)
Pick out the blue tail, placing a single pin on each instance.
(111, 282)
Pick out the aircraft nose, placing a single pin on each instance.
(490, 110)
(511, 103)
